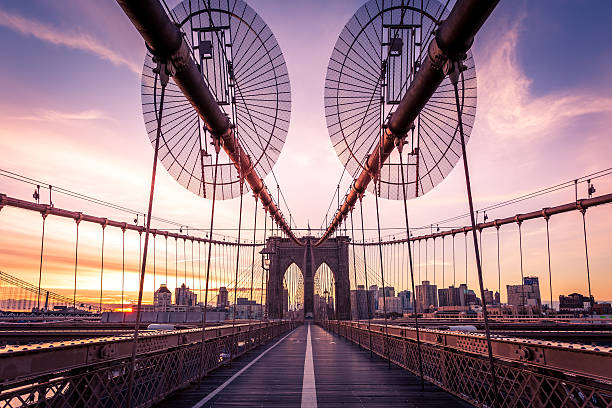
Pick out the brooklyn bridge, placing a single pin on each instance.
(189, 281)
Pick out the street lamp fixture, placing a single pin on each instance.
(266, 253)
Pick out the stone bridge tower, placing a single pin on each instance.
(333, 252)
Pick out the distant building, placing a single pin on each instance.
(426, 297)
(602, 308)
(384, 294)
(359, 304)
(458, 296)
(162, 298)
(451, 296)
(245, 309)
(491, 298)
(575, 303)
(405, 295)
(323, 306)
(222, 298)
(388, 292)
(374, 294)
(185, 297)
(469, 296)
(525, 299)
(390, 304)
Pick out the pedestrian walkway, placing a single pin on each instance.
(311, 367)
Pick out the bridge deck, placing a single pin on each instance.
(344, 375)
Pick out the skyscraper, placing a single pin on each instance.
(451, 296)
(426, 297)
(222, 298)
(184, 297)
(359, 304)
(525, 298)
(374, 296)
(405, 295)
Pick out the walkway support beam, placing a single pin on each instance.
(453, 39)
(166, 41)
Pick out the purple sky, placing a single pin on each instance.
(71, 116)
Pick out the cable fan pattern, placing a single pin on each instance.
(243, 65)
(372, 64)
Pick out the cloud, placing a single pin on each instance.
(71, 39)
(508, 105)
(48, 115)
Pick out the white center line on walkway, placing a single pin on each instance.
(309, 388)
(210, 396)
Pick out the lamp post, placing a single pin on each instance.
(266, 253)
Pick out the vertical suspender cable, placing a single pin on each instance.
(166, 237)
(419, 260)
(382, 273)
(154, 265)
(354, 264)
(192, 270)
(139, 250)
(454, 268)
(498, 264)
(434, 260)
(102, 266)
(455, 74)
(481, 248)
(237, 267)
(146, 243)
(586, 253)
(426, 260)
(403, 259)
(210, 233)
(199, 270)
(547, 218)
(523, 308)
(42, 246)
(253, 258)
(416, 316)
(76, 265)
(466, 256)
(365, 269)
(122, 271)
(263, 272)
(443, 236)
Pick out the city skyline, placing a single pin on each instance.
(508, 72)
(270, 203)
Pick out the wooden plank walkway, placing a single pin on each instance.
(345, 375)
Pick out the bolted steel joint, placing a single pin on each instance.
(438, 58)
(163, 69)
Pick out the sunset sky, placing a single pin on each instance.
(71, 116)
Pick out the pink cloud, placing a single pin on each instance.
(49, 115)
(507, 104)
(72, 39)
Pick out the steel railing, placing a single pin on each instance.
(522, 381)
(159, 371)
